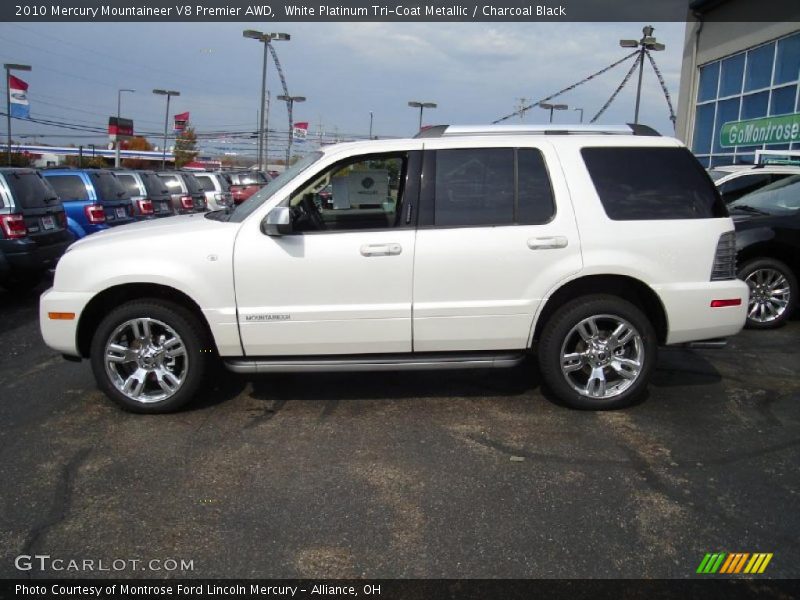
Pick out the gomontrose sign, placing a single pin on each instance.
(766, 130)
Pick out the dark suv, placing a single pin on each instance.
(186, 193)
(33, 228)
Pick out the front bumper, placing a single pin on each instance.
(62, 334)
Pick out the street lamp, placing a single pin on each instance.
(11, 67)
(119, 107)
(290, 100)
(168, 94)
(552, 107)
(421, 106)
(648, 42)
(264, 38)
(580, 109)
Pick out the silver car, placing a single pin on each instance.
(217, 189)
(149, 195)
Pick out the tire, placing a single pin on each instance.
(773, 292)
(156, 377)
(600, 371)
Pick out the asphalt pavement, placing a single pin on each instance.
(433, 474)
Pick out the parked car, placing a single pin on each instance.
(93, 199)
(735, 181)
(470, 248)
(246, 183)
(768, 244)
(217, 189)
(185, 191)
(149, 195)
(33, 228)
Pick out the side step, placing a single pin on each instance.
(376, 362)
(712, 344)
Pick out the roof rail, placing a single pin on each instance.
(436, 131)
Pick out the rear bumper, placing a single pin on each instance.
(690, 316)
(26, 256)
(61, 334)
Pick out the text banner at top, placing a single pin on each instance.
(400, 10)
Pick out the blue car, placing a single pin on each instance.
(94, 199)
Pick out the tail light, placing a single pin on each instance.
(187, 203)
(62, 219)
(145, 207)
(13, 226)
(725, 258)
(95, 213)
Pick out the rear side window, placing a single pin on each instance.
(107, 186)
(130, 184)
(205, 182)
(172, 183)
(637, 184)
(28, 190)
(491, 186)
(192, 184)
(69, 187)
(223, 182)
(738, 187)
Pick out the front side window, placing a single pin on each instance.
(476, 187)
(651, 183)
(360, 193)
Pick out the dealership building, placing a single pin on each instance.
(740, 82)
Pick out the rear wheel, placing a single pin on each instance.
(150, 356)
(773, 292)
(597, 352)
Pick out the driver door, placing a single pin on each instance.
(341, 281)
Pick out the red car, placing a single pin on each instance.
(246, 183)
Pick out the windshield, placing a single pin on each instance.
(778, 198)
(250, 178)
(244, 210)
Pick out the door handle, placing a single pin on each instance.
(390, 249)
(547, 243)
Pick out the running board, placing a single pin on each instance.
(712, 344)
(412, 362)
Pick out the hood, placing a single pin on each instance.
(154, 230)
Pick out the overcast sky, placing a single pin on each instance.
(476, 72)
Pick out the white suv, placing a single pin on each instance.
(467, 247)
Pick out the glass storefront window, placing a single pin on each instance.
(731, 76)
(755, 105)
(783, 100)
(787, 62)
(759, 67)
(703, 129)
(709, 76)
(727, 110)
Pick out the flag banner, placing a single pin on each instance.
(18, 91)
(301, 130)
(181, 120)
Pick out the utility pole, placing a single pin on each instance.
(168, 94)
(370, 124)
(118, 142)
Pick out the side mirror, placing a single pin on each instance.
(278, 221)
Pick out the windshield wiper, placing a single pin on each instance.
(749, 209)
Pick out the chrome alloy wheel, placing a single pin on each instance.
(602, 356)
(769, 295)
(146, 360)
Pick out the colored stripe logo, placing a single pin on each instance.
(734, 562)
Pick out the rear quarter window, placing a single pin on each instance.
(130, 184)
(205, 182)
(636, 184)
(172, 183)
(108, 186)
(28, 190)
(69, 187)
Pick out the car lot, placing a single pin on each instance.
(450, 474)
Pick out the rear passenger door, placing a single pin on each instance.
(491, 241)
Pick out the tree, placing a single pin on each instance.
(136, 143)
(185, 147)
(87, 162)
(18, 159)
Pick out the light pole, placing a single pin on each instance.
(290, 100)
(552, 107)
(580, 109)
(119, 110)
(168, 94)
(11, 67)
(421, 106)
(264, 38)
(648, 42)
(370, 124)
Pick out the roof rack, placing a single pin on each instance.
(436, 131)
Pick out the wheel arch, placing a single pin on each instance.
(102, 303)
(770, 249)
(628, 288)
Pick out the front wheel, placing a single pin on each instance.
(773, 292)
(150, 356)
(597, 353)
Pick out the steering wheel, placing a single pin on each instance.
(312, 212)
